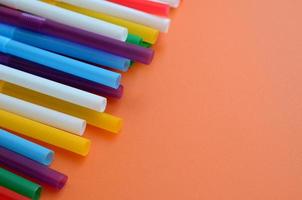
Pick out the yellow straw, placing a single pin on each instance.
(97, 119)
(44, 133)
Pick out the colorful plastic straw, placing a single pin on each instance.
(6, 194)
(51, 88)
(70, 18)
(62, 63)
(151, 7)
(172, 3)
(97, 119)
(44, 133)
(26, 148)
(65, 47)
(49, 27)
(25, 166)
(133, 39)
(159, 23)
(60, 77)
(148, 34)
(19, 184)
(43, 115)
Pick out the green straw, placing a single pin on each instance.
(145, 44)
(19, 184)
(134, 39)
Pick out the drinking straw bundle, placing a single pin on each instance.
(60, 64)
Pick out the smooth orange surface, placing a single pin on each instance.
(217, 116)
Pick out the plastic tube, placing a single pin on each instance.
(97, 119)
(44, 133)
(64, 47)
(146, 45)
(49, 27)
(26, 148)
(68, 17)
(19, 184)
(6, 194)
(151, 7)
(25, 166)
(52, 88)
(147, 33)
(133, 39)
(159, 23)
(172, 3)
(43, 115)
(60, 77)
(55, 61)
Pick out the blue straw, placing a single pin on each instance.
(26, 148)
(65, 47)
(59, 62)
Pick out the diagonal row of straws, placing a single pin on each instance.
(60, 64)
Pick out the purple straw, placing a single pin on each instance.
(49, 27)
(32, 169)
(61, 77)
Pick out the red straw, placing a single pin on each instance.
(151, 7)
(6, 194)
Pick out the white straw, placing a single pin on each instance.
(54, 89)
(124, 12)
(44, 115)
(69, 18)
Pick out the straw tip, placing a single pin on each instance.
(149, 58)
(85, 148)
(62, 182)
(49, 158)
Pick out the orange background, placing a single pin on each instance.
(217, 116)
